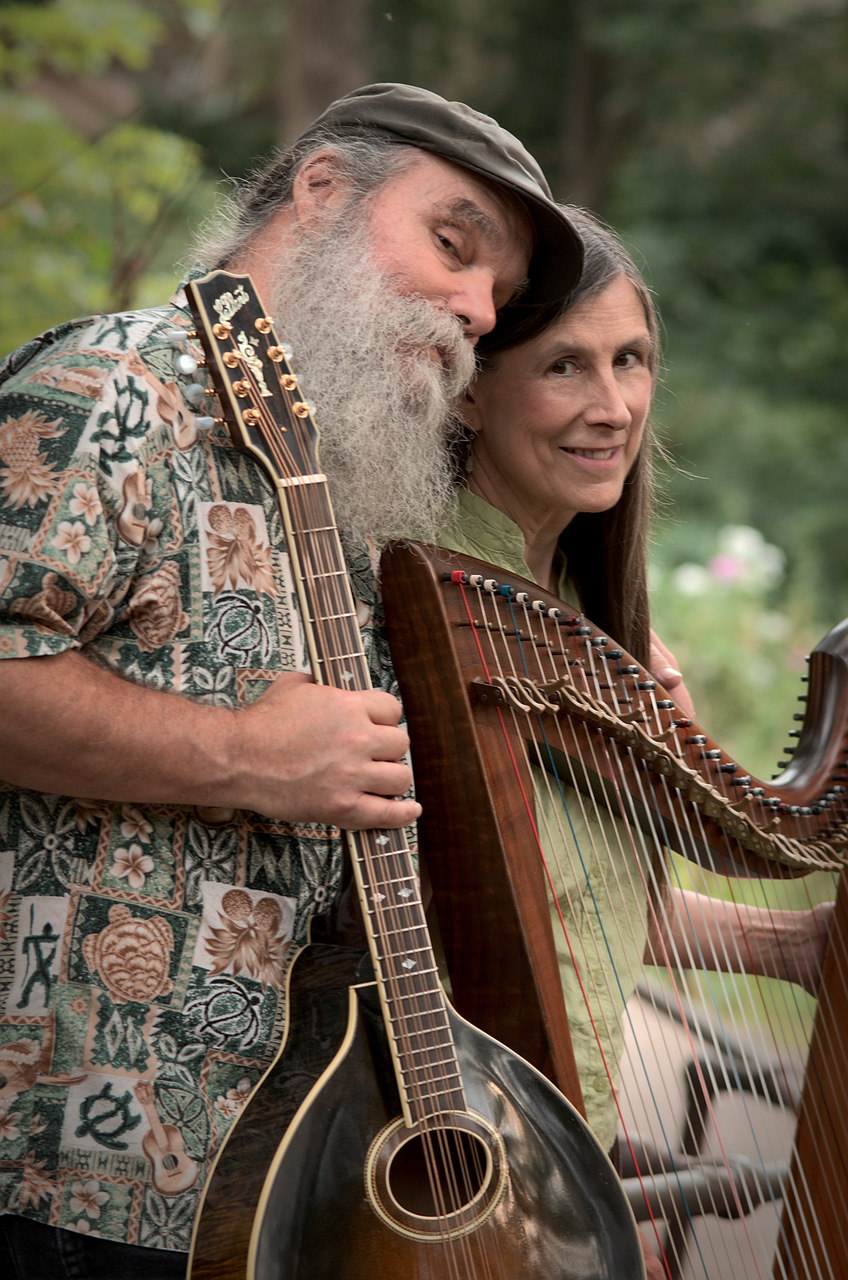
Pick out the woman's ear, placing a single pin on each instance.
(320, 186)
(469, 411)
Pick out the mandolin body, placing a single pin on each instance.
(343, 1201)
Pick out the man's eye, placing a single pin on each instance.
(447, 244)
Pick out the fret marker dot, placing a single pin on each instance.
(409, 964)
(347, 676)
(405, 893)
(379, 897)
(382, 840)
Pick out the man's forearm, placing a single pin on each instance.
(74, 728)
(302, 752)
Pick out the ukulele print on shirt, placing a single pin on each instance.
(172, 1171)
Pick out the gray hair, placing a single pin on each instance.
(368, 162)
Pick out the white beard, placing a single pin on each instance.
(385, 408)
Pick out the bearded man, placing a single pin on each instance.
(174, 782)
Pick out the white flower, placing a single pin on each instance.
(231, 1103)
(760, 565)
(691, 579)
(134, 825)
(9, 1130)
(73, 540)
(88, 1198)
(86, 503)
(133, 863)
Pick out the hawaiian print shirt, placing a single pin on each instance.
(143, 949)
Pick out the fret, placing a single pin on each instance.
(428, 1078)
(339, 574)
(303, 534)
(437, 1020)
(291, 481)
(421, 1036)
(403, 935)
(394, 966)
(436, 1093)
(438, 1061)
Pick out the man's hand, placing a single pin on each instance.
(325, 755)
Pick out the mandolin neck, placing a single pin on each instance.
(404, 963)
(268, 419)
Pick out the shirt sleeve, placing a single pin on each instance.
(72, 493)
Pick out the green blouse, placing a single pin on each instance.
(600, 892)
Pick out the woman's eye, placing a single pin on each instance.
(630, 359)
(564, 367)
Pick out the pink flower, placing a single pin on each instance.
(725, 567)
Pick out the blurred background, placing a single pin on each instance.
(710, 133)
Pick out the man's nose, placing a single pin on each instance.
(474, 305)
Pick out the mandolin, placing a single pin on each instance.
(390, 1138)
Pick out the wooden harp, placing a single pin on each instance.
(504, 685)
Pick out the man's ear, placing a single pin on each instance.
(321, 185)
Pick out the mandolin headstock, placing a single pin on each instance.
(266, 413)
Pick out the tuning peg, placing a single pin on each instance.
(280, 353)
(185, 364)
(195, 394)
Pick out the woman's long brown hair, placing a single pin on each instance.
(607, 551)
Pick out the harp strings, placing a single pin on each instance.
(597, 856)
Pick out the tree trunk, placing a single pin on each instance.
(324, 57)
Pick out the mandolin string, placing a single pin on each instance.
(445, 1160)
(410, 1029)
(333, 638)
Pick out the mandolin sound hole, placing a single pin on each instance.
(435, 1174)
(438, 1179)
